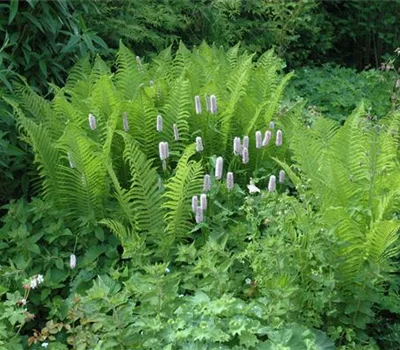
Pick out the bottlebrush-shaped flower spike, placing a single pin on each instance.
(199, 215)
(282, 176)
(203, 201)
(163, 150)
(197, 103)
(258, 139)
(219, 167)
(125, 121)
(229, 181)
(237, 147)
(272, 183)
(176, 132)
(195, 201)
(245, 142)
(207, 183)
(267, 138)
(213, 104)
(159, 125)
(92, 121)
(279, 138)
(199, 144)
(245, 155)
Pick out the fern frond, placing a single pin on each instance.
(129, 76)
(144, 192)
(180, 189)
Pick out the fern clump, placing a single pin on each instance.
(133, 146)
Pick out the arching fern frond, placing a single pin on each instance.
(144, 192)
(186, 183)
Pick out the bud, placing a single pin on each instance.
(245, 155)
(246, 142)
(207, 183)
(397, 83)
(203, 201)
(271, 125)
(219, 168)
(71, 162)
(267, 138)
(125, 121)
(237, 147)
(151, 83)
(176, 132)
(195, 200)
(258, 139)
(229, 181)
(72, 261)
(278, 140)
(197, 103)
(207, 98)
(163, 150)
(199, 215)
(139, 63)
(282, 176)
(92, 121)
(199, 144)
(272, 183)
(159, 123)
(213, 104)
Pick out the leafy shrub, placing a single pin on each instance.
(297, 29)
(335, 91)
(364, 32)
(37, 242)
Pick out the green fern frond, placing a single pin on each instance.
(144, 192)
(46, 155)
(79, 73)
(83, 188)
(129, 75)
(186, 183)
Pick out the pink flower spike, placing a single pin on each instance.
(279, 137)
(272, 183)
(219, 168)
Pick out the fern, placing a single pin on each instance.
(352, 174)
(186, 182)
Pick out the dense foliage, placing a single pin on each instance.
(335, 91)
(43, 39)
(117, 255)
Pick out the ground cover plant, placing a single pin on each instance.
(334, 91)
(183, 207)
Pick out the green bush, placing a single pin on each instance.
(334, 91)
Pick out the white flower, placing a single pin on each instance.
(45, 345)
(72, 261)
(253, 188)
(40, 279)
(33, 283)
(167, 270)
